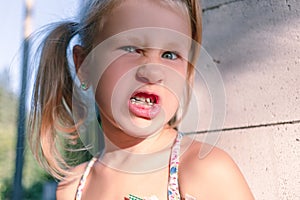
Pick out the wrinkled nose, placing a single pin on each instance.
(150, 74)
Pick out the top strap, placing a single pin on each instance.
(84, 178)
(173, 186)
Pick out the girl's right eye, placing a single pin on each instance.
(131, 49)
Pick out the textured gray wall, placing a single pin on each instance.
(256, 46)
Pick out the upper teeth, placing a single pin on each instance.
(141, 100)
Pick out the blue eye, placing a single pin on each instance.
(130, 49)
(169, 55)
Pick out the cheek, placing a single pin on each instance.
(176, 79)
(172, 102)
(181, 69)
(104, 91)
(116, 85)
(186, 68)
(107, 83)
(178, 87)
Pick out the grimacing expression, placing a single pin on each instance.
(139, 68)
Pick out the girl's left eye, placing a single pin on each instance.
(170, 55)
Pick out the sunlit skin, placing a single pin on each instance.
(152, 62)
(147, 70)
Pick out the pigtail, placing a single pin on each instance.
(51, 110)
(195, 14)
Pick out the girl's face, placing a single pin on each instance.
(140, 65)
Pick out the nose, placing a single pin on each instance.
(150, 73)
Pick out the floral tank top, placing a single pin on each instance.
(173, 188)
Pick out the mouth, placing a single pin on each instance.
(144, 105)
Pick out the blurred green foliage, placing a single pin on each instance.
(33, 175)
(8, 105)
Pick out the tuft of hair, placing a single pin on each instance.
(52, 98)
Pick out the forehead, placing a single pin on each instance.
(137, 14)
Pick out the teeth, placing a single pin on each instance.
(148, 100)
(141, 100)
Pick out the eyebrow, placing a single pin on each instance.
(125, 39)
(177, 45)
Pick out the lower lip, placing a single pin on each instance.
(147, 112)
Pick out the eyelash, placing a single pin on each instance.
(133, 49)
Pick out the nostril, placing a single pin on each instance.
(142, 79)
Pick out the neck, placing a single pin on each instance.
(117, 140)
(136, 155)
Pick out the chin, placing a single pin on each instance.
(140, 122)
(141, 127)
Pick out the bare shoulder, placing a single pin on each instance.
(66, 189)
(210, 172)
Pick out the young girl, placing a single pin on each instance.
(136, 57)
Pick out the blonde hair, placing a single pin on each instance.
(51, 123)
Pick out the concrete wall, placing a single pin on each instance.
(256, 46)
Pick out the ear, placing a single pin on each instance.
(78, 58)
